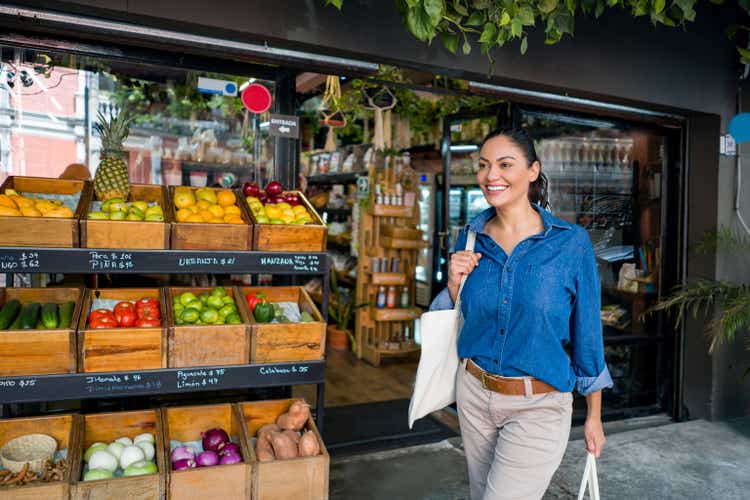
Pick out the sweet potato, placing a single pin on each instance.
(264, 454)
(308, 445)
(267, 428)
(294, 435)
(299, 412)
(283, 446)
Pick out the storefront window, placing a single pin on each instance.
(186, 128)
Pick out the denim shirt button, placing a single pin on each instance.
(502, 331)
(505, 301)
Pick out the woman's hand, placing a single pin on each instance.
(593, 431)
(462, 264)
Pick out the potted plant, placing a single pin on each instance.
(341, 308)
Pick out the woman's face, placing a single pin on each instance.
(504, 173)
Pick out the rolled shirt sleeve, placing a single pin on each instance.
(589, 366)
(443, 300)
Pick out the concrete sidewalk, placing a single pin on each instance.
(689, 460)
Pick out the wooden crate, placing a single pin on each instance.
(105, 428)
(64, 428)
(43, 231)
(397, 314)
(290, 237)
(149, 235)
(39, 352)
(403, 233)
(273, 342)
(304, 477)
(221, 481)
(121, 349)
(399, 243)
(205, 236)
(206, 345)
(388, 278)
(406, 211)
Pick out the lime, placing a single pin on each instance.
(187, 297)
(209, 315)
(190, 315)
(215, 302)
(227, 310)
(227, 300)
(204, 298)
(233, 319)
(219, 291)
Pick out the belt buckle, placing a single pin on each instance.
(484, 380)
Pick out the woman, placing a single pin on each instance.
(531, 289)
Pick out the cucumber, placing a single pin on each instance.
(30, 315)
(66, 314)
(39, 325)
(16, 325)
(49, 316)
(8, 313)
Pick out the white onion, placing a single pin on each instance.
(131, 455)
(116, 449)
(103, 460)
(124, 440)
(146, 436)
(148, 449)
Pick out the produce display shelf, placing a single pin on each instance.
(89, 260)
(35, 388)
(337, 178)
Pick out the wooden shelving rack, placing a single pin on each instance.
(387, 231)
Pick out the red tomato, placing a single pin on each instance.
(144, 322)
(100, 313)
(103, 322)
(124, 305)
(126, 318)
(146, 300)
(148, 311)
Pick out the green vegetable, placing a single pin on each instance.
(227, 299)
(209, 315)
(186, 298)
(30, 315)
(215, 302)
(140, 468)
(96, 474)
(227, 310)
(49, 316)
(263, 312)
(233, 319)
(39, 325)
(16, 325)
(8, 313)
(219, 291)
(190, 315)
(195, 304)
(65, 313)
(306, 317)
(204, 298)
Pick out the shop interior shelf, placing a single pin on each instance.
(32, 388)
(334, 178)
(402, 314)
(388, 278)
(393, 210)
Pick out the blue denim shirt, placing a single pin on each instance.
(521, 311)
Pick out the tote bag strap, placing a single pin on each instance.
(471, 238)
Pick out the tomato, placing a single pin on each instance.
(146, 300)
(148, 311)
(103, 322)
(100, 313)
(144, 322)
(124, 305)
(126, 318)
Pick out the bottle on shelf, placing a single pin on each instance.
(380, 302)
(405, 297)
(390, 301)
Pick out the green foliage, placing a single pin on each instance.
(493, 23)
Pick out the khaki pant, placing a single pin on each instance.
(513, 444)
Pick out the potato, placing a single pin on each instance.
(283, 446)
(293, 435)
(265, 455)
(267, 428)
(308, 445)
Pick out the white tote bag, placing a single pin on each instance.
(435, 386)
(590, 478)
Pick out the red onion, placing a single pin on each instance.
(207, 459)
(183, 463)
(229, 448)
(214, 439)
(231, 457)
(182, 453)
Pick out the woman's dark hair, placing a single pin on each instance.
(538, 190)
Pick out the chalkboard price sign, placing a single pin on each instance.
(122, 383)
(21, 262)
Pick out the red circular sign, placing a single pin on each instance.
(256, 98)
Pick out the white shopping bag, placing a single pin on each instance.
(590, 478)
(435, 385)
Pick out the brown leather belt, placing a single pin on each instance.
(509, 386)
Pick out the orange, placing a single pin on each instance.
(183, 214)
(183, 198)
(207, 216)
(235, 220)
(216, 210)
(203, 205)
(10, 212)
(194, 209)
(216, 220)
(225, 197)
(6, 201)
(30, 212)
(232, 210)
(194, 218)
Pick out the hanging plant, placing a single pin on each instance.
(491, 24)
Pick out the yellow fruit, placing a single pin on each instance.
(183, 198)
(194, 218)
(232, 210)
(226, 198)
(23, 202)
(60, 212)
(273, 212)
(299, 210)
(216, 220)
(251, 199)
(236, 220)
(183, 214)
(194, 209)
(206, 194)
(44, 206)
(206, 215)
(6, 201)
(10, 212)
(216, 210)
(288, 219)
(284, 205)
(202, 204)
(11, 192)
(30, 212)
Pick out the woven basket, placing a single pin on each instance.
(33, 449)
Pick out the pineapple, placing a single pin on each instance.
(111, 179)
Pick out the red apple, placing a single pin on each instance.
(292, 199)
(277, 199)
(250, 189)
(274, 188)
(263, 197)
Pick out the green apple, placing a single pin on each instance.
(118, 215)
(140, 205)
(137, 212)
(262, 219)
(98, 216)
(155, 210)
(276, 221)
(118, 205)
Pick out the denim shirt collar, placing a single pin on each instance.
(548, 220)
